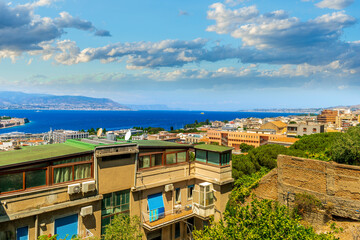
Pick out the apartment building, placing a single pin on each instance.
(327, 116)
(77, 187)
(60, 136)
(278, 126)
(304, 128)
(234, 139)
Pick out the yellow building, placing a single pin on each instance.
(234, 139)
(77, 187)
(278, 126)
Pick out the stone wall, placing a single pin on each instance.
(332, 183)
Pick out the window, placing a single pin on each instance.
(200, 155)
(72, 169)
(314, 130)
(176, 157)
(225, 159)
(112, 204)
(206, 195)
(22, 233)
(177, 195)
(304, 129)
(213, 158)
(190, 191)
(22, 180)
(177, 230)
(150, 160)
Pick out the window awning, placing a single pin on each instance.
(155, 201)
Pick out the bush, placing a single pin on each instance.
(263, 219)
(306, 203)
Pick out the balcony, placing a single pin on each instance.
(180, 212)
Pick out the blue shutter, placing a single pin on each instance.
(22, 233)
(67, 226)
(156, 206)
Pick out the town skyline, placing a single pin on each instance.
(218, 55)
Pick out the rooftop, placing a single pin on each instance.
(159, 143)
(213, 148)
(29, 154)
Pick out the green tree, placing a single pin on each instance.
(346, 148)
(196, 122)
(245, 147)
(207, 122)
(123, 227)
(226, 121)
(171, 128)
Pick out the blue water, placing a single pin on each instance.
(112, 120)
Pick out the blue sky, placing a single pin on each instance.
(196, 55)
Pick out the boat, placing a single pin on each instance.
(202, 113)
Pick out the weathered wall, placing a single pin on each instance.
(334, 183)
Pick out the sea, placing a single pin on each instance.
(44, 120)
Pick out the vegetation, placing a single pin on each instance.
(197, 124)
(263, 156)
(123, 227)
(339, 147)
(5, 117)
(245, 147)
(93, 131)
(263, 219)
(150, 130)
(306, 203)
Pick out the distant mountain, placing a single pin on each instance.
(20, 100)
(149, 107)
(300, 110)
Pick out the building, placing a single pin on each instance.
(234, 139)
(304, 128)
(327, 116)
(77, 187)
(60, 136)
(278, 126)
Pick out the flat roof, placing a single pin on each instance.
(159, 144)
(213, 148)
(49, 151)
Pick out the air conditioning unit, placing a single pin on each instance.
(88, 186)
(74, 188)
(85, 211)
(169, 188)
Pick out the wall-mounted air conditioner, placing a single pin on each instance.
(88, 186)
(169, 187)
(85, 211)
(74, 188)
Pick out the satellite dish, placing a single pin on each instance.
(127, 135)
(99, 132)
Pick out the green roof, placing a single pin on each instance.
(212, 148)
(33, 153)
(159, 143)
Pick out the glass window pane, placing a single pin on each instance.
(202, 198)
(200, 156)
(63, 174)
(11, 182)
(177, 195)
(82, 171)
(144, 161)
(117, 199)
(35, 178)
(158, 159)
(125, 207)
(181, 157)
(71, 160)
(209, 198)
(213, 158)
(171, 158)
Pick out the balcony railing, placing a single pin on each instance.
(179, 212)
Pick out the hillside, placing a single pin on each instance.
(19, 100)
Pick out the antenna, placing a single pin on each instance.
(99, 132)
(128, 135)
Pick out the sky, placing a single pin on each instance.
(194, 55)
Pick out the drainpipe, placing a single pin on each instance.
(96, 173)
(136, 163)
(36, 226)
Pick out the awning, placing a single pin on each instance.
(155, 201)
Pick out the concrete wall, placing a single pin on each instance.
(333, 183)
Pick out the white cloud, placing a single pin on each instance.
(334, 4)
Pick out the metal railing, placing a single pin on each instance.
(178, 209)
